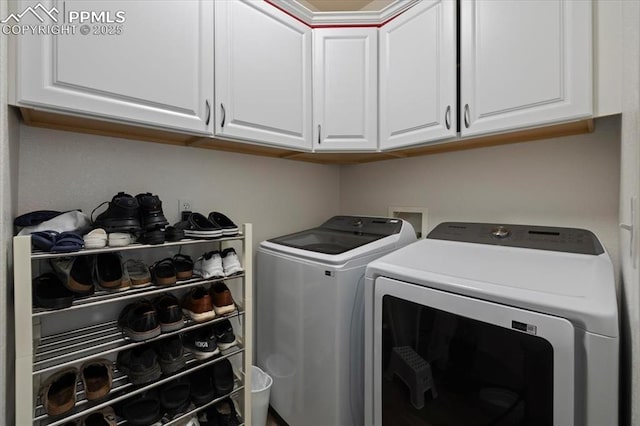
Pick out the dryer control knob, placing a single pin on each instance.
(501, 232)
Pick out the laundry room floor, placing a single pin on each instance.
(273, 421)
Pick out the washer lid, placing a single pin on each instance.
(578, 287)
(341, 233)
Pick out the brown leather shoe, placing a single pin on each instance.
(58, 392)
(222, 298)
(197, 305)
(96, 378)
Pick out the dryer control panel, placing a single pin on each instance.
(568, 240)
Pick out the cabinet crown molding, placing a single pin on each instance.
(387, 10)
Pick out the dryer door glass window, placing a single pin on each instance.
(439, 368)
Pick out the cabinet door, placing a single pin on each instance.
(418, 75)
(263, 74)
(345, 83)
(141, 62)
(524, 63)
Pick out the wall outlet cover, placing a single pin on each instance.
(185, 205)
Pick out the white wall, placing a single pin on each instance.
(630, 187)
(63, 170)
(570, 181)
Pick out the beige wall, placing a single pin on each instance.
(63, 170)
(570, 181)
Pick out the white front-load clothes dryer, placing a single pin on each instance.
(483, 324)
(309, 330)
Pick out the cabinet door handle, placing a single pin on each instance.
(447, 117)
(319, 141)
(224, 116)
(208, 112)
(467, 116)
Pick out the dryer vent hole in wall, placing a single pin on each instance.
(416, 216)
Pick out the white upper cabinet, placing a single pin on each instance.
(263, 75)
(524, 63)
(345, 82)
(418, 75)
(140, 62)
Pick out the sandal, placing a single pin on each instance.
(58, 392)
(163, 272)
(67, 242)
(50, 293)
(120, 239)
(183, 265)
(198, 226)
(138, 272)
(44, 240)
(97, 376)
(95, 239)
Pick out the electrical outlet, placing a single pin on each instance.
(185, 205)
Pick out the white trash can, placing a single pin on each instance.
(260, 389)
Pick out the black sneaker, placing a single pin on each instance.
(201, 342)
(175, 397)
(142, 410)
(139, 321)
(151, 215)
(140, 364)
(169, 312)
(224, 413)
(222, 373)
(122, 215)
(170, 354)
(202, 388)
(224, 335)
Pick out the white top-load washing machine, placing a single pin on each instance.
(482, 324)
(309, 289)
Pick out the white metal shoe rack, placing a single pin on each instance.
(38, 356)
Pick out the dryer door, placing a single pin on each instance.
(445, 359)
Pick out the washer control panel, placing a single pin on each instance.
(568, 240)
(364, 225)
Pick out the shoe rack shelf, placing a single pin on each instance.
(39, 356)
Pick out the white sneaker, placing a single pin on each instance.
(209, 265)
(231, 262)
